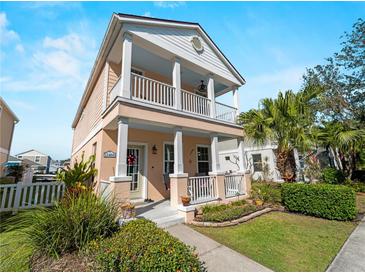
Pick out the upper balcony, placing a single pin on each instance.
(143, 72)
(151, 91)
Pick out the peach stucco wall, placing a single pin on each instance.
(107, 140)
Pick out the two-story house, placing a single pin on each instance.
(41, 161)
(150, 115)
(7, 124)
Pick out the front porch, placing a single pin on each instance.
(158, 162)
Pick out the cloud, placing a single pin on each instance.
(147, 13)
(21, 104)
(19, 48)
(6, 35)
(69, 43)
(269, 84)
(169, 4)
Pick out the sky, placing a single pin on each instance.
(47, 51)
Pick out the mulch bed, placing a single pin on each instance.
(67, 263)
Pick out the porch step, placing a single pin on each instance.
(161, 213)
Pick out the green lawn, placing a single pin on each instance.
(285, 242)
(14, 255)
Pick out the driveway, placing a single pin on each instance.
(351, 257)
(216, 256)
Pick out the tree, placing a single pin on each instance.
(340, 109)
(287, 121)
(343, 80)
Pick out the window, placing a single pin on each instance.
(37, 159)
(20, 156)
(168, 159)
(203, 160)
(257, 162)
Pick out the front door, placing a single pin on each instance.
(135, 168)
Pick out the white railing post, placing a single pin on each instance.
(178, 152)
(176, 82)
(211, 95)
(122, 145)
(18, 193)
(236, 103)
(215, 155)
(126, 66)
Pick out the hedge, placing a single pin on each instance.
(334, 202)
(141, 246)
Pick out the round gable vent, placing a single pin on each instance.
(197, 44)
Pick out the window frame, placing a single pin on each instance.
(164, 158)
(37, 157)
(260, 162)
(197, 157)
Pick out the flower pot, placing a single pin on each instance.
(185, 200)
(259, 202)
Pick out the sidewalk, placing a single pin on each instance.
(351, 257)
(216, 256)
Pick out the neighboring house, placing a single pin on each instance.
(150, 114)
(7, 124)
(41, 160)
(261, 160)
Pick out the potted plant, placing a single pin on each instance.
(257, 196)
(128, 210)
(185, 200)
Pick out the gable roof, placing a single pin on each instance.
(4, 104)
(119, 18)
(40, 153)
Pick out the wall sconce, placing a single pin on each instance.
(154, 149)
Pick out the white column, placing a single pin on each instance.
(236, 101)
(121, 163)
(178, 152)
(105, 88)
(241, 155)
(214, 151)
(176, 82)
(126, 66)
(211, 95)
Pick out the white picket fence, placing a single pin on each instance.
(18, 196)
(202, 189)
(234, 185)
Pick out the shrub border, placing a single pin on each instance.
(239, 220)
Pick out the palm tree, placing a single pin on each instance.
(347, 139)
(287, 121)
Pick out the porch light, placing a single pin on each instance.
(202, 88)
(154, 149)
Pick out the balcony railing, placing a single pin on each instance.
(233, 185)
(191, 102)
(149, 90)
(157, 93)
(225, 113)
(202, 189)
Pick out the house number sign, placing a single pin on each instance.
(110, 154)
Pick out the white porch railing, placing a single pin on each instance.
(234, 185)
(149, 90)
(19, 196)
(225, 112)
(202, 189)
(191, 102)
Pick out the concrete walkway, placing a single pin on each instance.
(216, 256)
(351, 257)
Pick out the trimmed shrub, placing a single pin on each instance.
(332, 176)
(214, 208)
(228, 214)
(332, 202)
(357, 186)
(69, 225)
(267, 192)
(141, 246)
